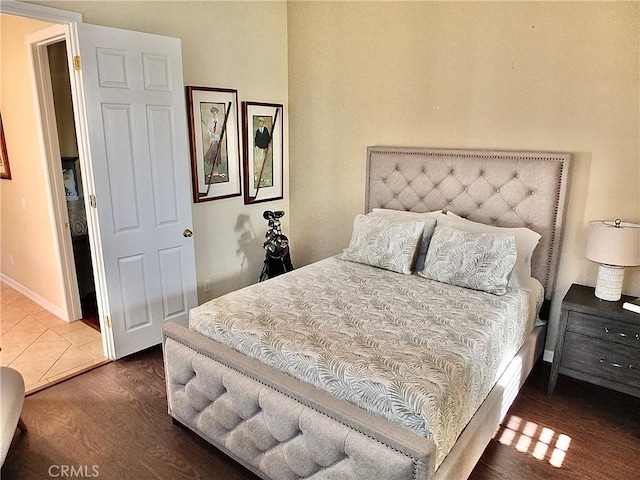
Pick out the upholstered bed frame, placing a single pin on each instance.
(281, 428)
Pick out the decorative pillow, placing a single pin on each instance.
(429, 219)
(526, 242)
(70, 189)
(384, 243)
(481, 261)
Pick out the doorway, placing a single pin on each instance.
(76, 218)
(133, 153)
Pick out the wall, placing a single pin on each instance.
(28, 258)
(60, 84)
(520, 75)
(240, 45)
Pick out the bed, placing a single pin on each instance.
(256, 374)
(78, 225)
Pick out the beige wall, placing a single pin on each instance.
(520, 75)
(28, 252)
(240, 45)
(60, 84)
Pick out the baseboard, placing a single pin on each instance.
(34, 297)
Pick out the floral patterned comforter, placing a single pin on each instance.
(419, 353)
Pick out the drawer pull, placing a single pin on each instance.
(613, 364)
(623, 335)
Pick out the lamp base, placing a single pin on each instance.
(609, 283)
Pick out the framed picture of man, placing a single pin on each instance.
(5, 171)
(215, 143)
(262, 127)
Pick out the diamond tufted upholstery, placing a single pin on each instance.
(259, 423)
(508, 189)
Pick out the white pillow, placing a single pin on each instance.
(536, 299)
(526, 242)
(385, 243)
(477, 260)
(429, 219)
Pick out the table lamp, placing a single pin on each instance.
(614, 245)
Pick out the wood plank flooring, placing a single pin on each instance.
(112, 423)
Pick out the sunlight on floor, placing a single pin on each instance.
(541, 442)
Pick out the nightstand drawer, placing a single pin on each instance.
(602, 359)
(604, 328)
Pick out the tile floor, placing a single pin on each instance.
(42, 347)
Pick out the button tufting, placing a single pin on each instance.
(531, 192)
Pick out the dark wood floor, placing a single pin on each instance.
(112, 423)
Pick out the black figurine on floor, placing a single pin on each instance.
(277, 259)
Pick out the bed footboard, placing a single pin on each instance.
(278, 427)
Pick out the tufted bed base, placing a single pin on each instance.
(271, 423)
(280, 428)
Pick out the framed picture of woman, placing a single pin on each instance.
(215, 145)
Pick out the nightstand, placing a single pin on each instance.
(598, 342)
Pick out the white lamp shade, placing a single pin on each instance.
(610, 244)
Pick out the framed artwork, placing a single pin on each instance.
(262, 127)
(5, 171)
(215, 143)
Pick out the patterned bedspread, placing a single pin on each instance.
(419, 353)
(77, 218)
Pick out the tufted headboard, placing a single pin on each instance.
(508, 189)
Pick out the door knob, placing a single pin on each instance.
(187, 233)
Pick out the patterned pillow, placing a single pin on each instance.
(385, 243)
(526, 241)
(481, 261)
(429, 219)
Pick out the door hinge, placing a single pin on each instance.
(93, 201)
(76, 62)
(107, 320)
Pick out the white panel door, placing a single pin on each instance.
(139, 157)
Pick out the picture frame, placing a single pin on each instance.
(263, 136)
(5, 171)
(215, 142)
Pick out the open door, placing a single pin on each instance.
(132, 118)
